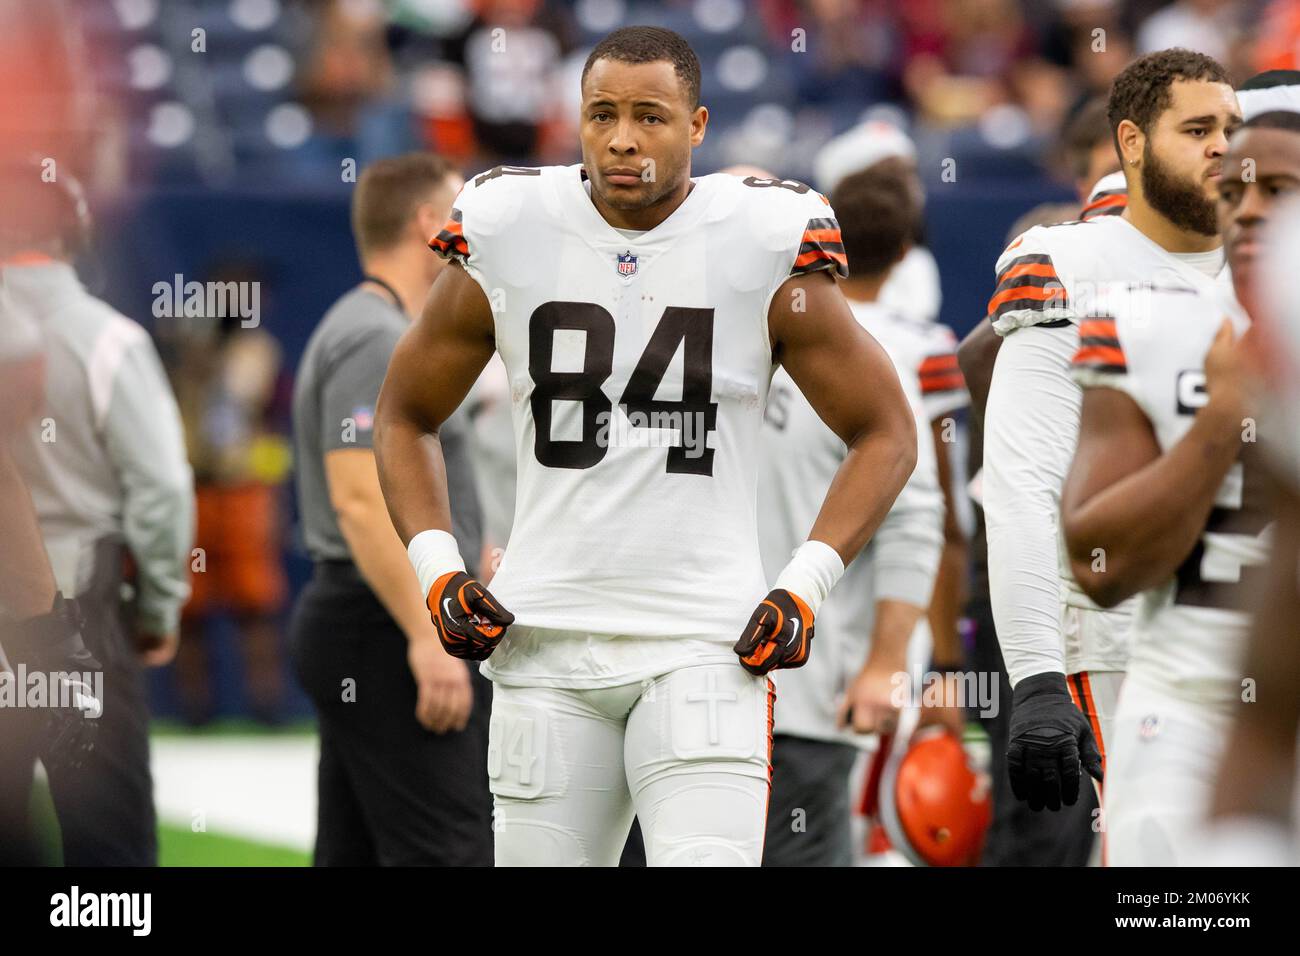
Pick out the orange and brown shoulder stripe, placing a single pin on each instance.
(821, 247)
(940, 373)
(1028, 282)
(1099, 346)
(451, 241)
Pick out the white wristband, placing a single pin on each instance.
(813, 570)
(433, 553)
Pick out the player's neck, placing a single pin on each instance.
(1156, 227)
(406, 272)
(648, 217)
(863, 288)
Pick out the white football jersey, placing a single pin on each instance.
(800, 457)
(913, 287)
(20, 334)
(1048, 276)
(1189, 633)
(638, 366)
(943, 388)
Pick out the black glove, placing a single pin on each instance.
(1049, 735)
(469, 620)
(51, 644)
(779, 634)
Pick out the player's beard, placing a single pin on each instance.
(1179, 200)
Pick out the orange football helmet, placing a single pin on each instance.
(934, 805)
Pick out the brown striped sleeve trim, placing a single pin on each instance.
(821, 248)
(1099, 348)
(450, 243)
(1028, 283)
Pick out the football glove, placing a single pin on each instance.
(1049, 735)
(469, 621)
(51, 643)
(779, 634)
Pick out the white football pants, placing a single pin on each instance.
(688, 753)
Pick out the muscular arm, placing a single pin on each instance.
(1144, 510)
(432, 369)
(851, 384)
(976, 357)
(357, 500)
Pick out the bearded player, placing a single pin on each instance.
(627, 628)
(1166, 484)
(1170, 114)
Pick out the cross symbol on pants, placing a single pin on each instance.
(711, 695)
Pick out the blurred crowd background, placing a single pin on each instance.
(219, 141)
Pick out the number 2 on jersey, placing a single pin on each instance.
(692, 328)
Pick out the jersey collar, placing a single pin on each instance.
(599, 233)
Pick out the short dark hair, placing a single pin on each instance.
(1141, 91)
(387, 193)
(1273, 119)
(878, 216)
(1084, 131)
(1269, 79)
(649, 45)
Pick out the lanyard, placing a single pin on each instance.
(397, 299)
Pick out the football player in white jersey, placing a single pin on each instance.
(633, 563)
(1171, 113)
(863, 629)
(1167, 498)
(913, 285)
(1254, 817)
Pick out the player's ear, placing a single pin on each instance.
(699, 120)
(428, 220)
(1131, 142)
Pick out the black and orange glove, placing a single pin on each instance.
(469, 620)
(779, 634)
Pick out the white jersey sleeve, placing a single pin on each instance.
(798, 222)
(1029, 291)
(943, 388)
(906, 548)
(1032, 405)
(480, 218)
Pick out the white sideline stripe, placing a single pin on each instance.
(261, 789)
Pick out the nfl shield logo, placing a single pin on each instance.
(627, 264)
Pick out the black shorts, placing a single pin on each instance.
(391, 793)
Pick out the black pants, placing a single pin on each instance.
(808, 817)
(105, 807)
(1017, 835)
(390, 792)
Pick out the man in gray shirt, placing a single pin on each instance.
(403, 725)
(104, 461)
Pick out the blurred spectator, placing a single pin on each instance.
(1278, 46)
(511, 55)
(1207, 26)
(966, 56)
(1087, 148)
(227, 380)
(847, 55)
(347, 87)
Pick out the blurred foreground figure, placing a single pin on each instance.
(103, 459)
